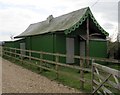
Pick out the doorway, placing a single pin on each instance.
(22, 46)
(82, 48)
(70, 50)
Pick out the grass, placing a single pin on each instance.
(111, 65)
(114, 66)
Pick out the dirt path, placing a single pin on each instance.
(16, 79)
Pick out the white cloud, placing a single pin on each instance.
(16, 15)
(5, 38)
(16, 20)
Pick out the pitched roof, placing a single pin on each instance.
(67, 23)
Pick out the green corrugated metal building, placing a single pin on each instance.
(75, 33)
(15, 43)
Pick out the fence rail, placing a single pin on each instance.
(17, 54)
(13, 53)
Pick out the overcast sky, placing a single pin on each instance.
(17, 15)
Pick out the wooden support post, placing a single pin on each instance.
(81, 74)
(57, 60)
(87, 43)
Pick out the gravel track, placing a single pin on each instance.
(16, 79)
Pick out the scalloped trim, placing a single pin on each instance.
(88, 12)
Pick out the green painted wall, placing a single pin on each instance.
(28, 43)
(98, 48)
(60, 46)
(79, 31)
(9, 44)
(42, 43)
(77, 48)
(17, 43)
(14, 44)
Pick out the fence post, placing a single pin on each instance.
(30, 55)
(41, 57)
(92, 77)
(15, 54)
(21, 56)
(10, 52)
(6, 53)
(56, 67)
(0, 51)
(81, 74)
(3, 53)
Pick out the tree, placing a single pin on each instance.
(118, 40)
(114, 48)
